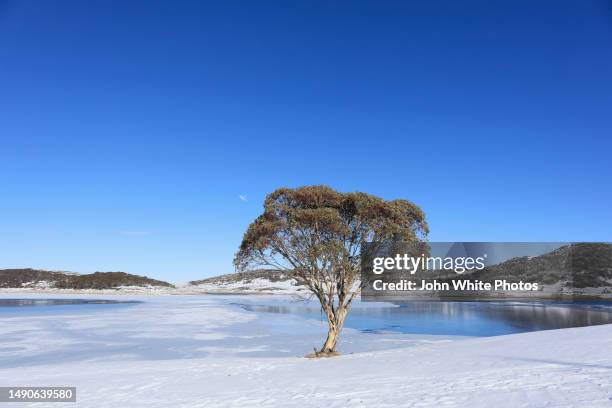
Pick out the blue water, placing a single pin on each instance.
(58, 306)
(458, 318)
(418, 317)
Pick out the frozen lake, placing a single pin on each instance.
(417, 317)
(37, 306)
(459, 318)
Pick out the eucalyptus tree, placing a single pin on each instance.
(314, 233)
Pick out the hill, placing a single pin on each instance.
(255, 281)
(35, 278)
(107, 280)
(580, 265)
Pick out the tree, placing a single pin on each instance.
(315, 234)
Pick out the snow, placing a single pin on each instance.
(38, 284)
(45, 290)
(259, 286)
(205, 351)
(252, 286)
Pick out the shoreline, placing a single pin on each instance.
(143, 292)
(184, 291)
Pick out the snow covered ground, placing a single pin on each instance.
(251, 286)
(44, 291)
(259, 286)
(205, 351)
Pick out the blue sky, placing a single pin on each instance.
(129, 130)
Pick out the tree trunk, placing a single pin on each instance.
(332, 338)
(335, 321)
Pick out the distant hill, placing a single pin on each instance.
(256, 281)
(17, 278)
(107, 280)
(34, 278)
(272, 275)
(581, 265)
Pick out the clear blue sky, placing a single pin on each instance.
(129, 129)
